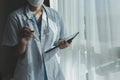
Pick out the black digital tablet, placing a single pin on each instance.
(68, 39)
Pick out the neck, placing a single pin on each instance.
(36, 9)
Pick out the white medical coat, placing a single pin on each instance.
(29, 66)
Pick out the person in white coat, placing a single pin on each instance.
(31, 30)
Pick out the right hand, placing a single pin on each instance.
(26, 34)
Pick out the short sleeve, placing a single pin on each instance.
(10, 35)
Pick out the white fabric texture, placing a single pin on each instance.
(95, 53)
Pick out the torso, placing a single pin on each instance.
(32, 60)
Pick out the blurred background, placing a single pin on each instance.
(95, 53)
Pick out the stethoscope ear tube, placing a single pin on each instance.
(31, 20)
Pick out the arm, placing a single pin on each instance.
(25, 36)
(21, 47)
(62, 43)
(15, 37)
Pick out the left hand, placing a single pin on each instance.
(63, 44)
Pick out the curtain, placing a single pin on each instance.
(95, 53)
(73, 58)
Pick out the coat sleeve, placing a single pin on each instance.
(10, 36)
(63, 30)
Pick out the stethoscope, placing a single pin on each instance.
(31, 19)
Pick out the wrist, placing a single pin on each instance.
(21, 47)
(23, 41)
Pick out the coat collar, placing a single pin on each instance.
(29, 13)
